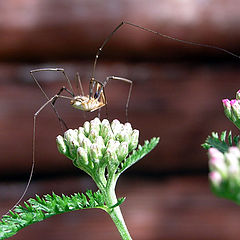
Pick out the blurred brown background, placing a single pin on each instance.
(176, 95)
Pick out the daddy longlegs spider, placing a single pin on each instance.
(96, 98)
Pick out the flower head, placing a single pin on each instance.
(225, 170)
(232, 109)
(98, 143)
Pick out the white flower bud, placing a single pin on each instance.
(95, 126)
(93, 134)
(71, 135)
(127, 126)
(218, 164)
(134, 139)
(86, 144)
(233, 164)
(235, 151)
(81, 137)
(96, 121)
(81, 130)
(111, 160)
(116, 126)
(61, 145)
(100, 143)
(86, 127)
(112, 145)
(122, 151)
(82, 156)
(105, 122)
(123, 136)
(215, 153)
(95, 153)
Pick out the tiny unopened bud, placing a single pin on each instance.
(111, 160)
(112, 145)
(95, 153)
(95, 125)
(100, 143)
(233, 164)
(82, 156)
(227, 108)
(218, 164)
(134, 139)
(215, 178)
(81, 130)
(81, 137)
(94, 132)
(86, 144)
(71, 135)
(238, 95)
(61, 145)
(235, 151)
(127, 126)
(106, 131)
(122, 151)
(86, 127)
(215, 153)
(235, 109)
(116, 126)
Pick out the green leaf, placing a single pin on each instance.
(38, 209)
(223, 143)
(119, 202)
(137, 155)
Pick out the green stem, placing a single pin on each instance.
(116, 214)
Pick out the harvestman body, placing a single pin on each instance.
(96, 98)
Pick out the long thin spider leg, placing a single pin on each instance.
(60, 91)
(158, 33)
(53, 69)
(91, 87)
(79, 84)
(34, 147)
(62, 122)
(97, 94)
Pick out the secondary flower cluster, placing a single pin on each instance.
(225, 171)
(98, 143)
(232, 109)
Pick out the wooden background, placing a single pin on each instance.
(177, 94)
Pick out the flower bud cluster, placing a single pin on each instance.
(232, 109)
(225, 170)
(98, 143)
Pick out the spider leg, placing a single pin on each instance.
(51, 69)
(62, 122)
(34, 146)
(159, 34)
(60, 91)
(98, 93)
(79, 84)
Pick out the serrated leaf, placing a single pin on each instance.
(221, 144)
(138, 154)
(38, 209)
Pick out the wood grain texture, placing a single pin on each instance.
(49, 30)
(173, 208)
(179, 102)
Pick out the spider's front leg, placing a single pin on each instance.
(120, 79)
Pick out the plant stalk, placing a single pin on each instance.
(116, 214)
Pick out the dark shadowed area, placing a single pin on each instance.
(177, 93)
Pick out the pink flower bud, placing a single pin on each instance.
(214, 153)
(226, 103)
(215, 178)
